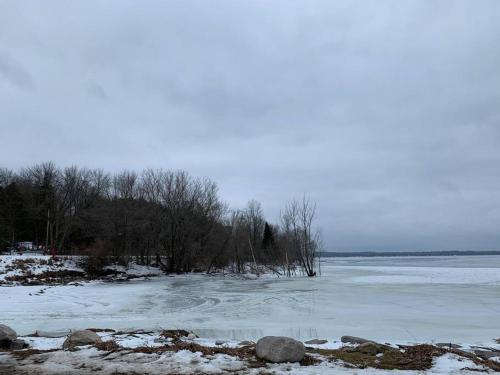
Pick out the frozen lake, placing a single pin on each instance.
(400, 299)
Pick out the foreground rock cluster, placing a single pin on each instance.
(87, 348)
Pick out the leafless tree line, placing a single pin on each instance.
(164, 217)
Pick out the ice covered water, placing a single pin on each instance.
(395, 299)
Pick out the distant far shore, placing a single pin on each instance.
(405, 253)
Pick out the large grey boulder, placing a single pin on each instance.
(7, 335)
(80, 338)
(279, 349)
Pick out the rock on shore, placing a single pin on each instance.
(279, 349)
(80, 338)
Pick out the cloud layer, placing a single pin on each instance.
(387, 113)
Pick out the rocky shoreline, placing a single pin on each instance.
(106, 351)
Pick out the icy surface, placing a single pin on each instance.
(432, 299)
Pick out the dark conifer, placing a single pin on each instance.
(268, 242)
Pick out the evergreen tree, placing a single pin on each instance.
(268, 242)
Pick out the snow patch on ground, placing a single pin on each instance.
(453, 364)
(36, 264)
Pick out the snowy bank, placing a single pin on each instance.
(169, 352)
(36, 269)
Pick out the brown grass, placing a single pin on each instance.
(23, 354)
(47, 277)
(108, 346)
(418, 357)
(101, 330)
(309, 361)
(174, 334)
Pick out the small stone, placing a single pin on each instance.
(191, 336)
(278, 349)
(353, 340)
(246, 343)
(80, 338)
(52, 334)
(220, 342)
(316, 342)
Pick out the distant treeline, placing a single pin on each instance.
(168, 217)
(405, 253)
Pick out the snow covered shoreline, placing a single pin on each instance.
(402, 304)
(168, 352)
(36, 269)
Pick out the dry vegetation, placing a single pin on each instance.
(417, 357)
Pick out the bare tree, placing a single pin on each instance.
(6, 177)
(178, 219)
(300, 238)
(254, 220)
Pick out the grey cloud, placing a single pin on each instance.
(14, 73)
(95, 90)
(386, 112)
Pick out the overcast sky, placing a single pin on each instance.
(387, 113)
